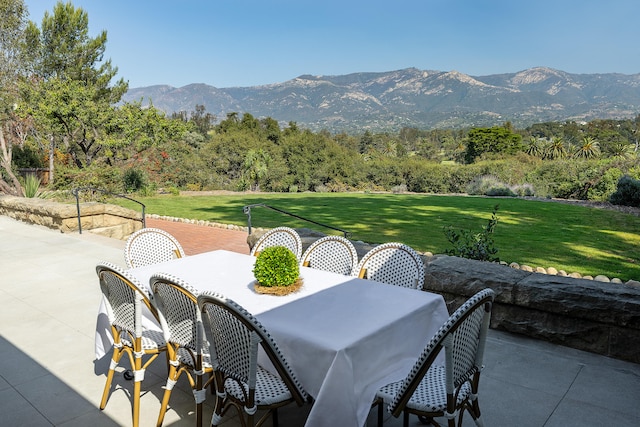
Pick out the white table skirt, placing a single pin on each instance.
(344, 337)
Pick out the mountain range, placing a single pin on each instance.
(424, 99)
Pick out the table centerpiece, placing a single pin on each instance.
(277, 271)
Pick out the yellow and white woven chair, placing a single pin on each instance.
(392, 263)
(331, 253)
(279, 236)
(235, 337)
(448, 390)
(151, 246)
(124, 299)
(187, 351)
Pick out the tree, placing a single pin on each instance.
(69, 92)
(256, 167)
(556, 149)
(535, 147)
(496, 139)
(202, 120)
(589, 149)
(13, 130)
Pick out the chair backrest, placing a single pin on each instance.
(279, 236)
(178, 311)
(392, 263)
(234, 336)
(150, 246)
(124, 298)
(463, 337)
(331, 253)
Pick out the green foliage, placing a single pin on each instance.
(97, 175)
(604, 184)
(276, 266)
(31, 185)
(479, 246)
(627, 193)
(497, 140)
(524, 190)
(133, 180)
(489, 185)
(26, 156)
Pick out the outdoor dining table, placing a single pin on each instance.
(344, 337)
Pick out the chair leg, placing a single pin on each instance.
(274, 416)
(172, 378)
(380, 405)
(138, 374)
(115, 359)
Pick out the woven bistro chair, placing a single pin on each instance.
(124, 299)
(279, 236)
(432, 390)
(151, 246)
(187, 351)
(392, 263)
(235, 337)
(331, 253)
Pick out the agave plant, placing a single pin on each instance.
(31, 186)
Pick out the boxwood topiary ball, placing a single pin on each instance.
(276, 266)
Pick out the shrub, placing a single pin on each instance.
(467, 244)
(524, 190)
(605, 185)
(500, 192)
(31, 185)
(489, 185)
(276, 266)
(399, 189)
(627, 192)
(133, 180)
(97, 175)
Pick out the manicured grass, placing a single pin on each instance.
(538, 233)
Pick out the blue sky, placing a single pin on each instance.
(229, 43)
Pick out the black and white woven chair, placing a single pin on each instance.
(151, 246)
(431, 390)
(187, 351)
(331, 253)
(235, 337)
(392, 263)
(279, 236)
(124, 299)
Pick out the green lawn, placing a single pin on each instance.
(568, 237)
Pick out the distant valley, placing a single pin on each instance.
(425, 99)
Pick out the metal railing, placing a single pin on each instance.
(76, 194)
(247, 211)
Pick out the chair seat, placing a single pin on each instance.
(271, 389)
(185, 358)
(431, 394)
(151, 340)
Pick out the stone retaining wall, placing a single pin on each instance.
(599, 317)
(120, 222)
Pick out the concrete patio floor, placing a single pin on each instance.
(49, 297)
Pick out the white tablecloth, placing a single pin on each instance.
(344, 337)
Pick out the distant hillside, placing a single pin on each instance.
(424, 99)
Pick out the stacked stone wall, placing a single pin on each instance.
(64, 217)
(600, 317)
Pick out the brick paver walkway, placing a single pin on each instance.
(196, 239)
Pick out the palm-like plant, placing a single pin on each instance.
(622, 150)
(589, 149)
(556, 149)
(535, 147)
